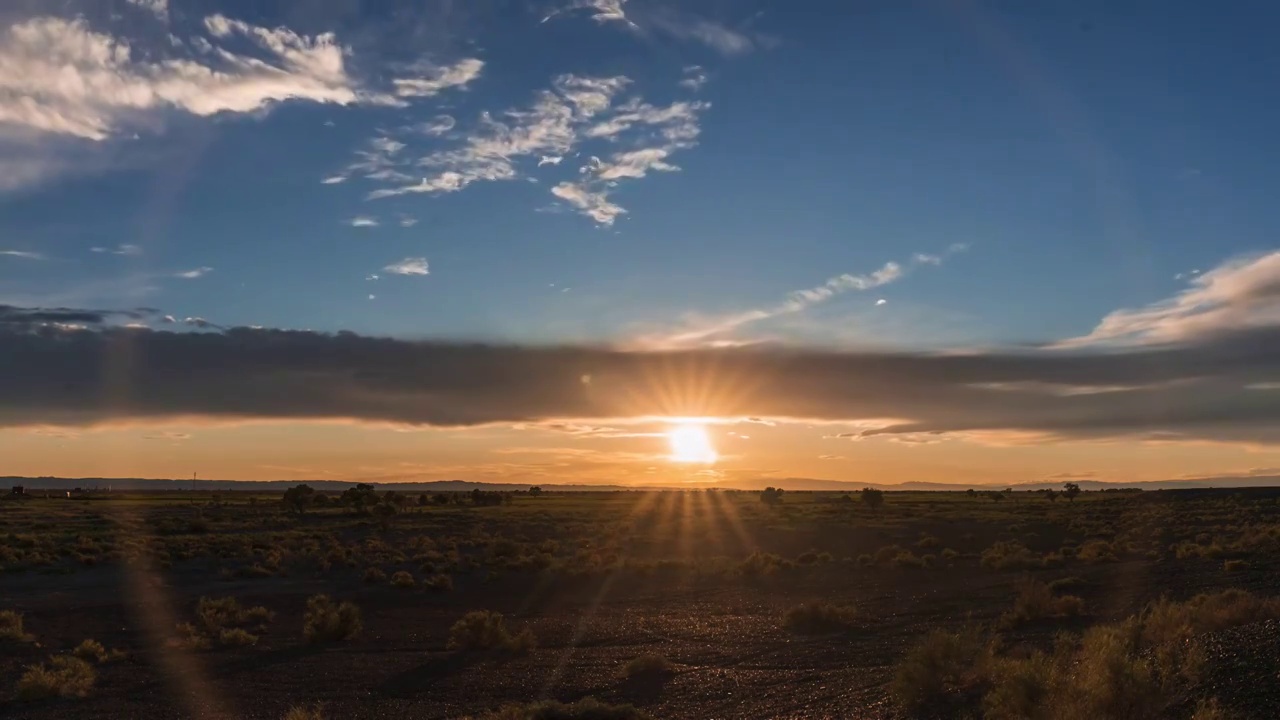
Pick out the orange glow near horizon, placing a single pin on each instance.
(690, 444)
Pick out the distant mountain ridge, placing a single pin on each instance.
(793, 484)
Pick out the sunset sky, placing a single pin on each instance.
(639, 241)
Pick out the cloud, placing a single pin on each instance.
(1195, 390)
(193, 274)
(124, 249)
(168, 435)
(714, 35)
(436, 126)
(1239, 294)
(881, 301)
(602, 11)
(549, 160)
(490, 151)
(61, 77)
(363, 221)
(334, 179)
(159, 8)
(694, 78)
(408, 266)
(428, 80)
(24, 254)
(407, 221)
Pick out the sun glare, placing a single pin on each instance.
(690, 444)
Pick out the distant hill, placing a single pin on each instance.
(794, 483)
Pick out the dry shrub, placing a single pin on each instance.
(1037, 601)
(305, 712)
(403, 580)
(1010, 555)
(818, 619)
(11, 627)
(648, 666)
(326, 621)
(486, 631)
(92, 650)
(942, 672)
(64, 676)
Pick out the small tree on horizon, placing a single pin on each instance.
(771, 495)
(1070, 490)
(297, 498)
(536, 490)
(872, 497)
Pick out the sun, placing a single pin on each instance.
(690, 444)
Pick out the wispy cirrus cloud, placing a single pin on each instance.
(428, 80)
(408, 266)
(193, 274)
(694, 78)
(122, 249)
(702, 330)
(158, 8)
(646, 20)
(1240, 293)
(362, 221)
(24, 254)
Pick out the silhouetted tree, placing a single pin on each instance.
(424, 499)
(535, 491)
(481, 498)
(1051, 495)
(771, 495)
(359, 498)
(298, 497)
(995, 496)
(1070, 490)
(971, 492)
(872, 498)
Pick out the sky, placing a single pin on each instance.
(718, 242)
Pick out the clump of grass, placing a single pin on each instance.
(486, 631)
(224, 622)
(585, 709)
(438, 583)
(943, 672)
(759, 564)
(1036, 601)
(326, 621)
(949, 555)
(64, 676)
(305, 712)
(1010, 555)
(11, 627)
(92, 650)
(648, 666)
(403, 580)
(1066, 585)
(1096, 551)
(374, 575)
(1235, 565)
(818, 619)
(236, 637)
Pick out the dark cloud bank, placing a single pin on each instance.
(1221, 387)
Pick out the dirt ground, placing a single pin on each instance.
(602, 597)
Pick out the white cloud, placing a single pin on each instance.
(1241, 293)
(408, 266)
(159, 8)
(24, 254)
(193, 274)
(436, 126)
(407, 221)
(694, 78)
(123, 249)
(602, 11)
(593, 204)
(795, 302)
(431, 79)
(550, 160)
(363, 221)
(712, 34)
(490, 153)
(60, 77)
(334, 179)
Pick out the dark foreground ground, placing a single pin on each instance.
(703, 579)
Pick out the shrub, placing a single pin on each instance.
(438, 582)
(403, 580)
(949, 555)
(91, 650)
(927, 542)
(236, 637)
(649, 666)
(585, 709)
(908, 559)
(374, 575)
(485, 631)
(1066, 584)
(11, 627)
(1096, 551)
(818, 619)
(758, 564)
(1235, 565)
(943, 671)
(305, 712)
(64, 676)
(1009, 555)
(327, 621)
(1036, 601)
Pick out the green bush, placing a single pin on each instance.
(818, 619)
(485, 631)
(326, 621)
(64, 676)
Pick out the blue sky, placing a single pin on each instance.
(1085, 155)
(1001, 240)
